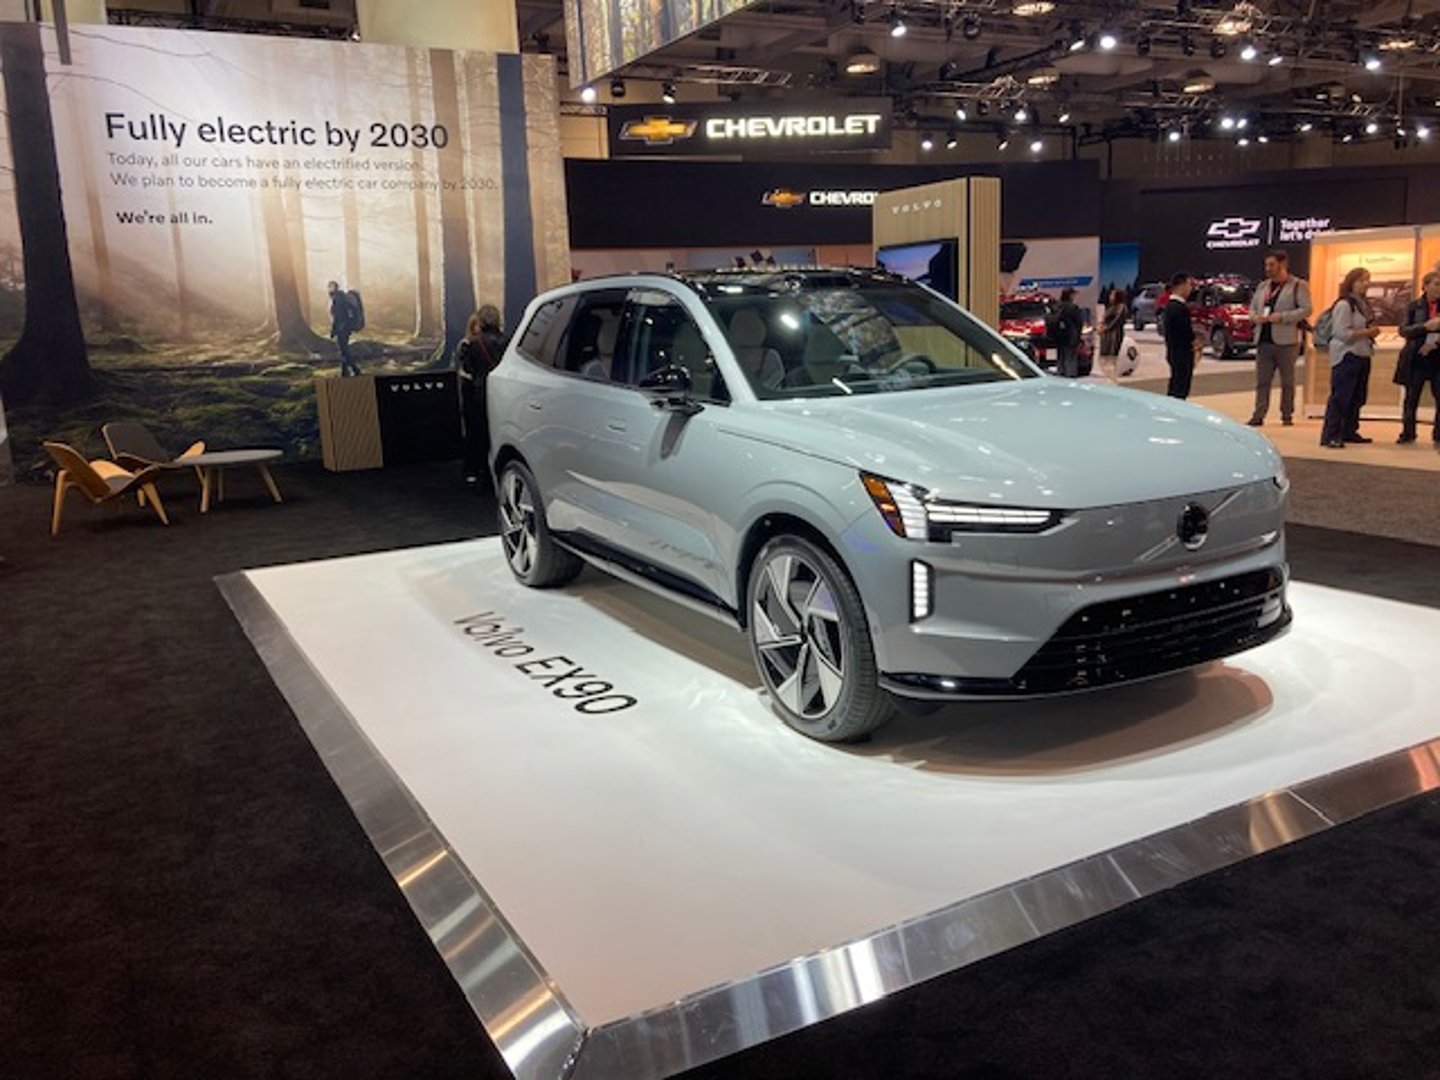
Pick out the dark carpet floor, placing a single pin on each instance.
(185, 893)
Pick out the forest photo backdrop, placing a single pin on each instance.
(172, 205)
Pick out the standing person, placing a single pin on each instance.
(1112, 333)
(1420, 358)
(1278, 306)
(475, 357)
(1352, 344)
(1064, 327)
(1181, 345)
(344, 321)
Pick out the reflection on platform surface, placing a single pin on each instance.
(653, 873)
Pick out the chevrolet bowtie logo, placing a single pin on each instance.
(658, 130)
(782, 199)
(1233, 228)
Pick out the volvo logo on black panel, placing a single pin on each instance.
(1194, 527)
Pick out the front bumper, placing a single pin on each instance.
(1127, 640)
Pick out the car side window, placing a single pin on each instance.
(661, 334)
(588, 346)
(545, 329)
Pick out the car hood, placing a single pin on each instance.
(1042, 442)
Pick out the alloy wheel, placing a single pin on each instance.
(799, 636)
(517, 522)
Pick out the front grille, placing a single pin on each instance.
(1136, 638)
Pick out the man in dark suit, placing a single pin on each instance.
(1419, 362)
(1179, 334)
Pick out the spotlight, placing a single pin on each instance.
(1422, 131)
(1036, 145)
(1347, 137)
(588, 95)
(1262, 138)
(981, 108)
(1242, 141)
(667, 93)
(970, 28)
(1304, 126)
(1277, 56)
(1076, 45)
(1022, 115)
(1218, 49)
(1173, 135)
(897, 24)
(1249, 51)
(1198, 82)
(1187, 44)
(1028, 9)
(1063, 118)
(617, 88)
(1370, 60)
(1372, 128)
(1227, 123)
(1004, 143)
(927, 143)
(1107, 40)
(952, 140)
(961, 114)
(1242, 123)
(863, 62)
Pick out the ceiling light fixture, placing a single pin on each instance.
(1237, 22)
(897, 23)
(1422, 131)
(927, 143)
(1249, 51)
(1142, 45)
(952, 140)
(667, 93)
(617, 88)
(1242, 123)
(1187, 44)
(1401, 42)
(1028, 9)
(1372, 128)
(961, 114)
(1227, 123)
(1063, 118)
(1046, 76)
(1304, 126)
(1173, 135)
(588, 94)
(1371, 61)
(1263, 138)
(970, 28)
(1022, 115)
(1277, 55)
(863, 62)
(1036, 145)
(1004, 143)
(1198, 82)
(1218, 49)
(1108, 39)
(1242, 141)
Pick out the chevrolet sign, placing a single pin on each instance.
(792, 127)
(748, 129)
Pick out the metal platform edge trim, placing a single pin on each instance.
(524, 1012)
(541, 1036)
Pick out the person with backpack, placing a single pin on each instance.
(1063, 327)
(475, 357)
(1351, 334)
(347, 315)
(1181, 344)
(1419, 363)
(1278, 306)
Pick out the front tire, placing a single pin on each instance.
(534, 556)
(811, 642)
(1220, 345)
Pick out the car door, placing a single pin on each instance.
(652, 467)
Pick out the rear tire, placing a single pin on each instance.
(811, 643)
(535, 558)
(1220, 345)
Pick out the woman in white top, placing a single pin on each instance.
(1352, 344)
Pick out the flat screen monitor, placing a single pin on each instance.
(930, 262)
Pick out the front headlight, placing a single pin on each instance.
(913, 513)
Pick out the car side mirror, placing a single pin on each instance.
(669, 388)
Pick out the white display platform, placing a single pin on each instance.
(639, 857)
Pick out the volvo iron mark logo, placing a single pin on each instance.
(1194, 527)
(657, 130)
(1234, 232)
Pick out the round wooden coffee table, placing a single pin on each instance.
(211, 466)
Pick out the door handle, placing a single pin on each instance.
(534, 404)
(617, 425)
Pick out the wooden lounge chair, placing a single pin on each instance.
(100, 482)
(133, 447)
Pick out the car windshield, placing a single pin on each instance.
(1234, 293)
(824, 337)
(1023, 310)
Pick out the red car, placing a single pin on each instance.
(1022, 321)
(1220, 310)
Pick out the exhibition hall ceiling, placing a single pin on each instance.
(1359, 69)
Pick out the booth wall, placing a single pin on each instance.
(177, 202)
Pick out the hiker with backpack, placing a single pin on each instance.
(1063, 326)
(1350, 330)
(347, 315)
